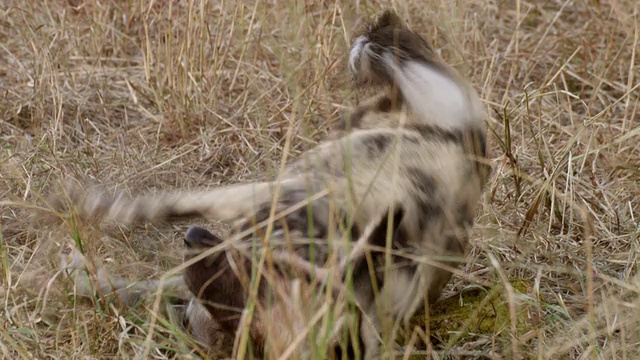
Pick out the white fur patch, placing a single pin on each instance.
(431, 93)
(356, 52)
(404, 291)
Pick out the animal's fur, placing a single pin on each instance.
(418, 146)
(289, 299)
(289, 296)
(93, 280)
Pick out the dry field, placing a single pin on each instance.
(143, 94)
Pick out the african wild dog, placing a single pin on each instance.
(415, 155)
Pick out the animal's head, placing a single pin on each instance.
(300, 305)
(386, 36)
(293, 313)
(198, 274)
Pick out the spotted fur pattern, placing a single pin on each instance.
(414, 155)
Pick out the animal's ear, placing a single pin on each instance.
(388, 17)
(378, 236)
(197, 237)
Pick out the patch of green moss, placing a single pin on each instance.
(475, 311)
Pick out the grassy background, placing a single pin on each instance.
(176, 94)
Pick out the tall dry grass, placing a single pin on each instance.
(177, 94)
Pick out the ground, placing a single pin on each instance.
(142, 95)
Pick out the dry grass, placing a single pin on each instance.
(177, 94)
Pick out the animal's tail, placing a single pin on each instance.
(389, 53)
(222, 204)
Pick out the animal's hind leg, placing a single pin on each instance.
(90, 280)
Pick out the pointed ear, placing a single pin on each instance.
(388, 17)
(197, 237)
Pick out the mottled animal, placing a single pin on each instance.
(385, 209)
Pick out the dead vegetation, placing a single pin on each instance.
(178, 94)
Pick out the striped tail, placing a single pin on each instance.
(222, 204)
